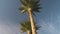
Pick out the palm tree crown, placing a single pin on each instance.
(33, 4)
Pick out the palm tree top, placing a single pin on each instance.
(33, 4)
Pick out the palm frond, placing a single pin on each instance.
(22, 11)
(25, 26)
(33, 4)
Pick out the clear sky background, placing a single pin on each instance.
(10, 17)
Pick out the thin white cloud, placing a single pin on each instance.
(7, 27)
(47, 27)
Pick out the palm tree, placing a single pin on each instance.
(31, 7)
(26, 27)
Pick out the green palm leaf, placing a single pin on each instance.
(33, 4)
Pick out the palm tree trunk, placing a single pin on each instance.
(32, 21)
(28, 32)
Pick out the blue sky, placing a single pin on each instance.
(10, 17)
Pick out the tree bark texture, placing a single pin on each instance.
(32, 21)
